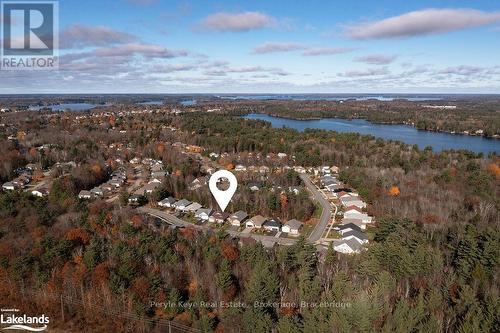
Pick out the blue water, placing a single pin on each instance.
(408, 134)
(151, 103)
(64, 107)
(189, 102)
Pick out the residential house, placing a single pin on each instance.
(347, 246)
(357, 222)
(292, 227)
(135, 198)
(98, 192)
(240, 167)
(254, 186)
(147, 189)
(264, 169)
(299, 169)
(10, 186)
(238, 218)
(192, 207)
(84, 194)
(167, 202)
(345, 228)
(198, 183)
(218, 217)
(357, 235)
(294, 189)
(181, 204)
(272, 225)
(107, 187)
(41, 192)
(353, 212)
(256, 222)
(353, 201)
(203, 213)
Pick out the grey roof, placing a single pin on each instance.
(207, 211)
(193, 207)
(355, 233)
(182, 202)
(351, 199)
(272, 223)
(294, 224)
(169, 200)
(220, 215)
(349, 226)
(239, 215)
(258, 220)
(352, 243)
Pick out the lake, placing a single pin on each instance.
(151, 103)
(188, 102)
(408, 134)
(64, 107)
(335, 97)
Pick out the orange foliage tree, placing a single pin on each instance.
(394, 191)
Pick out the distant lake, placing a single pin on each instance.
(340, 97)
(189, 102)
(64, 107)
(407, 134)
(151, 103)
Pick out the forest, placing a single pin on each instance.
(467, 115)
(433, 264)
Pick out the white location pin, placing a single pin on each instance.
(223, 197)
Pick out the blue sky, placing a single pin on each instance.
(148, 46)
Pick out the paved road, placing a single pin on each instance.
(325, 214)
(171, 219)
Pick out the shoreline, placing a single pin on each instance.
(494, 137)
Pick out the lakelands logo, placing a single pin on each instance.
(11, 320)
(30, 36)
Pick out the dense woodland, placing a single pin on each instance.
(432, 264)
(469, 116)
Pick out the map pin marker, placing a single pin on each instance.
(223, 197)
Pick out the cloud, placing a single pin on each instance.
(421, 23)
(146, 50)
(377, 59)
(365, 73)
(224, 70)
(77, 36)
(236, 22)
(277, 47)
(465, 70)
(319, 51)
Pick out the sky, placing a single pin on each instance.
(263, 46)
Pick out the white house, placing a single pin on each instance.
(41, 192)
(355, 234)
(356, 213)
(240, 167)
(256, 222)
(292, 227)
(218, 217)
(352, 201)
(347, 246)
(238, 218)
(9, 186)
(203, 213)
(181, 204)
(167, 202)
(85, 194)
